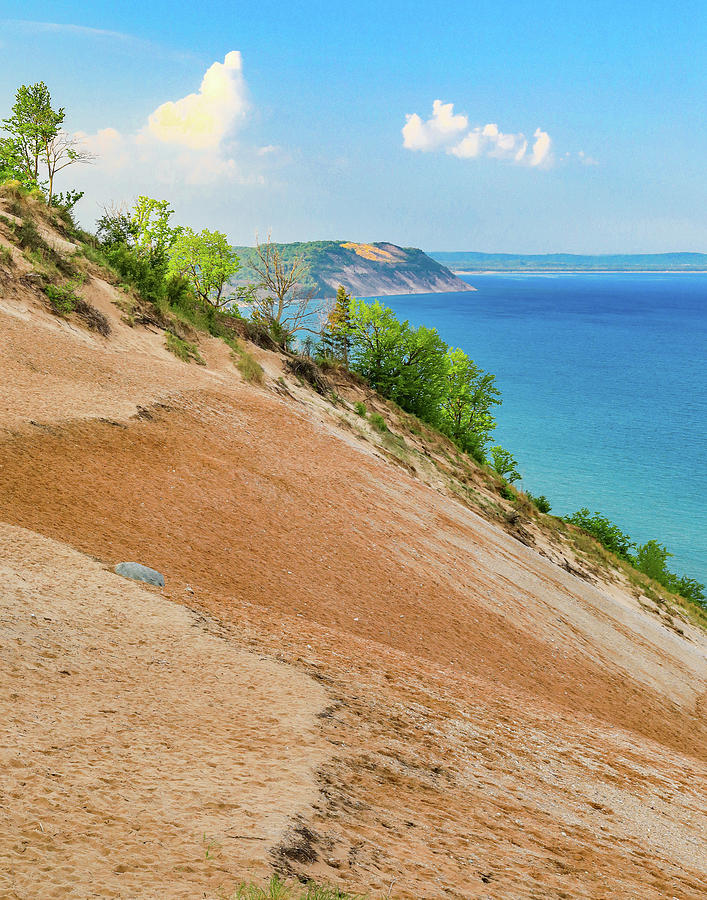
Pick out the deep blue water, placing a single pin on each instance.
(604, 392)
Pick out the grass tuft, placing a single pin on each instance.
(378, 423)
(277, 889)
(183, 349)
(249, 367)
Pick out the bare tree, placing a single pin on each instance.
(280, 300)
(60, 151)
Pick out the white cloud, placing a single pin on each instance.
(445, 131)
(437, 131)
(191, 140)
(541, 148)
(202, 120)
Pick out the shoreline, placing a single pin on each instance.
(580, 272)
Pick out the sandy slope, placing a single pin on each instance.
(495, 726)
(136, 738)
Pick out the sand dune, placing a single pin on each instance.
(143, 754)
(349, 674)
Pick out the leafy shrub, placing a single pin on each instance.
(689, 588)
(606, 532)
(652, 558)
(63, 300)
(416, 369)
(505, 464)
(378, 422)
(183, 349)
(360, 409)
(507, 492)
(541, 502)
(5, 257)
(145, 274)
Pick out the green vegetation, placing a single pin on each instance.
(360, 409)
(277, 889)
(63, 300)
(606, 532)
(207, 262)
(650, 559)
(335, 339)
(183, 349)
(505, 464)
(414, 368)
(378, 423)
(33, 148)
(541, 502)
(249, 367)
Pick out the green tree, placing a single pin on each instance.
(505, 464)
(690, 589)
(116, 227)
(336, 335)
(207, 262)
(469, 395)
(153, 234)
(11, 167)
(407, 364)
(651, 559)
(31, 126)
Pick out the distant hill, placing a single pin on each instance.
(571, 262)
(365, 270)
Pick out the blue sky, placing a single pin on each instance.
(574, 126)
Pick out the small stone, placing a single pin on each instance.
(138, 572)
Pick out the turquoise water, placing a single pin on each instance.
(604, 392)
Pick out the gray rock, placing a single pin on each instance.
(140, 573)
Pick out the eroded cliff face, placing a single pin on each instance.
(368, 270)
(401, 691)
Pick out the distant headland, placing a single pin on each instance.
(365, 270)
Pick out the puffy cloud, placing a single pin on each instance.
(190, 140)
(541, 148)
(445, 131)
(202, 120)
(443, 127)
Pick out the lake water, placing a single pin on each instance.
(604, 392)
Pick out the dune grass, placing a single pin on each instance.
(248, 366)
(183, 349)
(277, 889)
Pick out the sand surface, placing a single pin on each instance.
(143, 753)
(391, 690)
